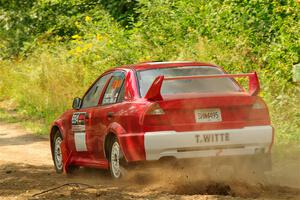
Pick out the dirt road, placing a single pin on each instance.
(26, 170)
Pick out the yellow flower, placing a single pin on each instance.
(145, 59)
(78, 50)
(76, 37)
(98, 37)
(88, 46)
(161, 37)
(77, 24)
(190, 29)
(88, 18)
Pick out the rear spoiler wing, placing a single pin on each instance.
(154, 93)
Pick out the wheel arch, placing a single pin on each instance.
(107, 143)
(55, 127)
(114, 130)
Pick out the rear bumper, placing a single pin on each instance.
(250, 140)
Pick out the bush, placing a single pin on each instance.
(55, 49)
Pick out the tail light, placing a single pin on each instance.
(259, 112)
(155, 116)
(258, 105)
(155, 110)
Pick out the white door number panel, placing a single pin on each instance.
(78, 128)
(80, 142)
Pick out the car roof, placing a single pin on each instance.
(158, 64)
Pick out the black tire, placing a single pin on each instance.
(58, 163)
(72, 169)
(116, 160)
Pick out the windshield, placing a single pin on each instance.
(146, 77)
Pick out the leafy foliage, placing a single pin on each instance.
(122, 10)
(54, 49)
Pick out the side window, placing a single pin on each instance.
(91, 98)
(114, 89)
(121, 93)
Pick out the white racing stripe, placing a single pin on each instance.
(192, 144)
(80, 141)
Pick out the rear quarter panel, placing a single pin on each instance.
(128, 128)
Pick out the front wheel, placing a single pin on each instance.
(116, 159)
(57, 153)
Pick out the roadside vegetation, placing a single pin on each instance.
(52, 50)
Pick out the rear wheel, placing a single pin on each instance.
(57, 153)
(116, 160)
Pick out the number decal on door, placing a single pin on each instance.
(78, 128)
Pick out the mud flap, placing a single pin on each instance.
(66, 157)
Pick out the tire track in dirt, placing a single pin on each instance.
(20, 146)
(26, 169)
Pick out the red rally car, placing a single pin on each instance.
(155, 110)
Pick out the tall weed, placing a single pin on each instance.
(63, 56)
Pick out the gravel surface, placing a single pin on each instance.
(26, 172)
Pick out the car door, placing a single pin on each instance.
(113, 95)
(84, 121)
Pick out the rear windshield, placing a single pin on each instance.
(146, 77)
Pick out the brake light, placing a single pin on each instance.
(258, 105)
(259, 113)
(155, 110)
(155, 116)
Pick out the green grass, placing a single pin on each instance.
(61, 53)
(30, 124)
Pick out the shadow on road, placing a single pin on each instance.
(20, 140)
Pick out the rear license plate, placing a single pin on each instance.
(208, 115)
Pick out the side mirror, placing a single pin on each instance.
(76, 103)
